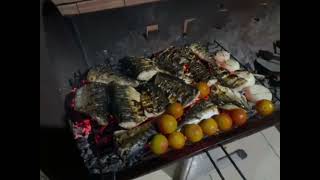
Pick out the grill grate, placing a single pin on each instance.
(155, 163)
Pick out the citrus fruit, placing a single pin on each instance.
(159, 144)
(175, 109)
(176, 140)
(209, 126)
(224, 121)
(167, 124)
(204, 89)
(238, 116)
(264, 107)
(193, 132)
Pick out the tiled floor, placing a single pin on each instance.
(262, 161)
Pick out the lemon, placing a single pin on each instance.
(175, 109)
(159, 144)
(193, 132)
(209, 126)
(176, 140)
(167, 124)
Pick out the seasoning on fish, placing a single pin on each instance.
(175, 61)
(249, 77)
(104, 74)
(176, 89)
(223, 95)
(126, 105)
(130, 142)
(201, 52)
(170, 61)
(139, 68)
(153, 99)
(202, 110)
(199, 72)
(93, 100)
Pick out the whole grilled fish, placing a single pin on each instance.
(176, 89)
(126, 105)
(202, 110)
(104, 74)
(130, 142)
(153, 99)
(223, 95)
(93, 99)
(142, 69)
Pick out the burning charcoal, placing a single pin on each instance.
(137, 158)
(111, 162)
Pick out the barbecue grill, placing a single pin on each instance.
(80, 34)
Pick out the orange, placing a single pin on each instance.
(176, 140)
(238, 116)
(159, 144)
(264, 107)
(193, 132)
(167, 124)
(175, 109)
(204, 89)
(209, 126)
(224, 121)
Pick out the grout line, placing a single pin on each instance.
(270, 145)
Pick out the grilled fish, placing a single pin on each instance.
(201, 52)
(142, 69)
(222, 95)
(202, 110)
(199, 72)
(93, 99)
(223, 75)
(176, 89)
(126, 105)
(103, 74)
(227, 79)
(172, 61)
(130, 142)
(153, 99)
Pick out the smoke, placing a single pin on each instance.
(244, 39)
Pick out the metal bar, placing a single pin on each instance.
(232, 162)
(215, 165)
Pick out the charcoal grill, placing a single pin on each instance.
(87, 43)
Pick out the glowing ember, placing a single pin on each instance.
(186, 68)
(83, 128)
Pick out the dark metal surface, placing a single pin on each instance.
(120, 31)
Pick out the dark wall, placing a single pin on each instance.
(59, 56)
(120, 31)
(116, 33)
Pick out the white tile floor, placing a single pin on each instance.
(262, 162)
